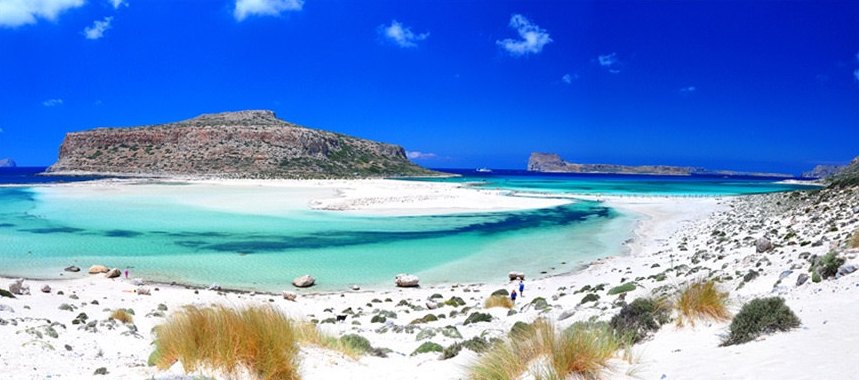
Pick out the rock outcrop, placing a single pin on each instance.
(305, 281)
(848, 176)
(244, 144)
(823, 171)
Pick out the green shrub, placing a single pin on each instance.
(639, 318)
(6, 293)
(428, 347)
(356, 342)
(627, 287)
(828, 265)
(477, 317)
(591, 297)
(761, 316)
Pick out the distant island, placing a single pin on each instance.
(7, 163)
(553, 163)
(244, 144)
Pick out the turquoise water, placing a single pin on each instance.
(202, 234)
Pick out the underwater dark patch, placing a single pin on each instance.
(122, 233)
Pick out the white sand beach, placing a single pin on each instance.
(675, 243)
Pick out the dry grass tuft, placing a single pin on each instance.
(854, 240)
(581, 351)
(122, 315)
(259, 340)
(702, 300)
(498, 301)
(306, 332)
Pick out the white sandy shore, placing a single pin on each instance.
(820, 349)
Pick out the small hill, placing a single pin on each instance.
(244, 144)
(7, 163)
(823, 171)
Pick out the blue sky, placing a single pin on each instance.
(760, 85)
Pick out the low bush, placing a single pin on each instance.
(581, 351)
(827, 266)
(498, 301)
(761, 316)
(122, 315)
(477, 317)
(854, 240)
(702, 300)
(640, 317)
(627, 287)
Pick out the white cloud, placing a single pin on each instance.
(420, 155)
(401, 35)
(688, 90)
(245, 8)
(533, 38)
(97, 29)
(52, 102)
(14, 13)
(856, 74)
(569, 78)
(610, 62)
(118, 3)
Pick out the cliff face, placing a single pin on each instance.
(245, 144)
(848, 176)
(823, 171)
(7, 163)
(552, 163)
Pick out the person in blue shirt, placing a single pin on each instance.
(513, 295)
(522, 287)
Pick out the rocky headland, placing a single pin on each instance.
(553, 163)
(244, 144)
(7, 163)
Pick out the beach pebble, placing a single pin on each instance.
(96, 269)
(305, 281)
(113, 273)
(289, 296)
(406, 280)
(46, 288)
(143, 291)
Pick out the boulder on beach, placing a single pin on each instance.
(516, 276)
(289, 296)
(763, 245)
(215, 286)
(305, 281)
(72, 269)
(46, 288)
(113, 273)
(142, 291)
(19, 288)
(96, 269)
(406, 280)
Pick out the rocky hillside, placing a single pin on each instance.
(245, 144)
(848, 176)
(823, 171)
(7, 163)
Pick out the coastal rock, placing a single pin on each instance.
(113, 273)
(763, 245)
(845, 270)
(46, 288)
(72, 268)
(289, 296)
(96, 269)
(356, 288)
(516, 275)
(305, 281)
(244, 144)
(214, 286)
(137, 282)
(19, 288)
(406, 281)
(143, 291)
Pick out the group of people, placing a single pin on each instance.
(513, 294)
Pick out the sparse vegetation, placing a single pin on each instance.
(260, 340)
(626, 287)
(583, 350)
(702, 300)
(498, 301)
(641, 317)
(122, 315)
(761, 316)
(854, 240)
(827, 266)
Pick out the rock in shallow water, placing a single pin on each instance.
(305, 281)
(96, 269)
(113, 273)
(72, 269)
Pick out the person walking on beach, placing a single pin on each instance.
(513, 296)
(521, 287)
(126, 273)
